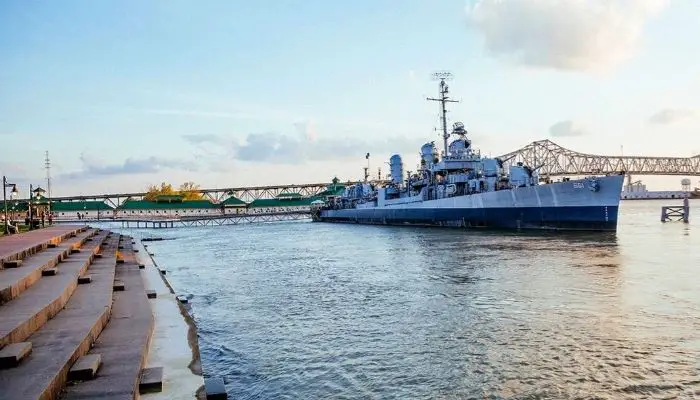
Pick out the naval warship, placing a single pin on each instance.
(460, 188)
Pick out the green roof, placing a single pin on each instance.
(153, 205)
(83, 205)
(234, 201)
(18, 206)
(289, 195)
(332, 190)
(281, 202)
(168, 198)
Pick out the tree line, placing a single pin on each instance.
(188, 191)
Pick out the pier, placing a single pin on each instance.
(213, 220)
(676, 213)
(78, 319)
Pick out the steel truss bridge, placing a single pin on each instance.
(554, 160)
(246, 194)
(549, 158)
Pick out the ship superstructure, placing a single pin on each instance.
(461, 188)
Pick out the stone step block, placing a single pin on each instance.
(84, 279)
(49, 271)
(11, 355)
(215, 389)
(13, 264)
(151, 380)
(118, 286)
(85, 368)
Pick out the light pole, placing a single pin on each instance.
(31, 222)
(5, 185)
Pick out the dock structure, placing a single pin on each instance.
(676, 213)
(81, 331)
(206, 220)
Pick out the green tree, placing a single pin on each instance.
(190, 191)
(155, 191)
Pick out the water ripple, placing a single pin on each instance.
(307, 311)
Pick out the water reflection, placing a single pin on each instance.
(346, 311)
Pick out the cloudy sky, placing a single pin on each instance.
(124, 93)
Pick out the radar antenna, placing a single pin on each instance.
(443, 76)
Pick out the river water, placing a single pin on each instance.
(302, 310)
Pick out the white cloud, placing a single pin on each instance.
(671, 116)
(307, 130)
(582, 35)
(276, 148)
(94, 168)
(567, 129)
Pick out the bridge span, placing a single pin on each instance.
(555, 160)
(552, 160)
(246, 194)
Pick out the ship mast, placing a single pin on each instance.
(444, 99)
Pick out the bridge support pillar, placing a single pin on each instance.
(676, 213)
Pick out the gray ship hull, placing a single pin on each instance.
(571, 205)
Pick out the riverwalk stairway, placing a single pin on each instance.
(75, 319)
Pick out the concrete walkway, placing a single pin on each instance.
(174, 342)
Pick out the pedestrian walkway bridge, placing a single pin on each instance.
(212, 220)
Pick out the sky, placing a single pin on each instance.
(230, 93)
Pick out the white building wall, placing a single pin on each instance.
(266, 210)
(166, 213)
(89, 214)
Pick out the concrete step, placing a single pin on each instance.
(215, 389)
(65, 338)
(85, 368)
(151, 380)
(21, 246)
(36, 305)
(124, 343)
(15, 281)
(12, 355)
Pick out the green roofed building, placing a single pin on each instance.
(234, 205)
(91, 209)
(16, 209)
(289, 195)
(280, 205)
(167, 207)
(334, 189)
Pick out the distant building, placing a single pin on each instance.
(284, 202)
(91, 209)
(16, 210)
(167, 206)
(234, 205)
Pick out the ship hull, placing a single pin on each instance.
(558, 206)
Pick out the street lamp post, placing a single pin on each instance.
(5, 185)
(31, 221)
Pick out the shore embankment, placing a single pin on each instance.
(86, 313)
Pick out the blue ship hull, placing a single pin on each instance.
(568, 205)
